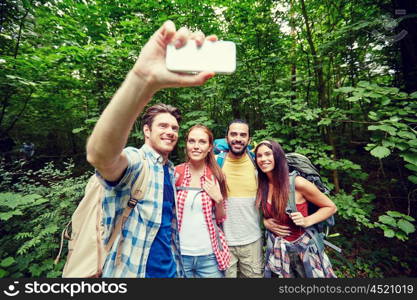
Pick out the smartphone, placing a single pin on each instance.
(218, 57)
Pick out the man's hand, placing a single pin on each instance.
(213, 190)
(279, 230)
(150, 65)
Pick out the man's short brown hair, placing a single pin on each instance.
(160, 108)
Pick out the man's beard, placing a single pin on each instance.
(237, 153)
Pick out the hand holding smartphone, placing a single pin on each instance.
(218, 57)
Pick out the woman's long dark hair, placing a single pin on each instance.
(280, 182)
(211, 160)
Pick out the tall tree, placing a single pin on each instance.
(406, 12)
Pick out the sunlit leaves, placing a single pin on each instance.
(396, 224)
(391, 130)
(410, 157)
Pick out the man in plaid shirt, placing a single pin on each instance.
(150, 238)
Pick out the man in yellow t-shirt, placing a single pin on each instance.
(242, 224)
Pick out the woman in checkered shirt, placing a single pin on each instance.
(201, 194)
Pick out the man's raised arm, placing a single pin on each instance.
(149, 74)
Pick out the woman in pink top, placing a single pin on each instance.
(289, 253)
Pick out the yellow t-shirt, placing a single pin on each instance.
(242, 216)
(240, 176)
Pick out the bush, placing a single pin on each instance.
(34, 209)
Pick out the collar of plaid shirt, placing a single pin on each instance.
(222, 253)
(144, 220)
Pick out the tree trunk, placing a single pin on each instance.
(407, 39)
(321, 89)
(335, 174)
(318, 65)
(293, 54)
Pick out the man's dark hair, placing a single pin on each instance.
(237, 121)
(160, 108)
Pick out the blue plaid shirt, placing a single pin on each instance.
(144, 220)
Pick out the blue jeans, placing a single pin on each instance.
(203, 266)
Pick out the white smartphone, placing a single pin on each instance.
(218, 57)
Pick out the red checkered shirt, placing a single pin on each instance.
(222, 254)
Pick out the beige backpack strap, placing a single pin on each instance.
(117, 229)
(121, 224)
(64, 234)
(137, 193)
(139, 187)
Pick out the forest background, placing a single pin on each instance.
(333, 80)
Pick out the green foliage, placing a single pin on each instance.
(356, 268)
(396, 224)
(393, 132)
(196, 117)
(380, 152)
(393, 223)
(350, 209)
(327, 93)
(360, 268)
(15, 204)
(34, 215)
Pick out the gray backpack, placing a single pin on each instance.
(300, 165)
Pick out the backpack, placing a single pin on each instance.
(221, 147)
(86, 249)
(300, 165)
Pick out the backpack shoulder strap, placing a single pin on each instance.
(179, 174)
(139, 186)
(291, 205)
(253, 160)
(291, 199)
(251, 156)
(220, 159)
(137, 192)
(189, 188)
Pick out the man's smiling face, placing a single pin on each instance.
(163, 134)
(238, 138)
